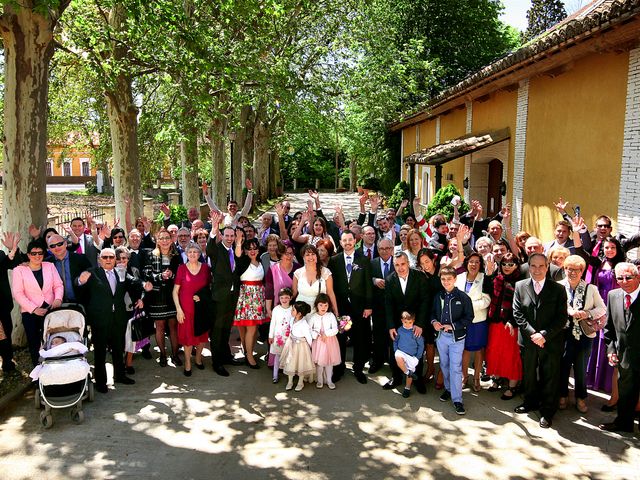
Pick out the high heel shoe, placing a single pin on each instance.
(187, 373)
(476, 385)
(199, 366)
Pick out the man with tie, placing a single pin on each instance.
(107, 313)
(353, 288)
(622, 336)
(69, 266)
(86, 242)
(381, 267)
(225, 290)
(368, 247)
(540, 311)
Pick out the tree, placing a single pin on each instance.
(543, 15)
(27, 35)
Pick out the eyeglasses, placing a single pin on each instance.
(54, 245)
(184, 235)
(604, 225)
(36, 254)
(625, 278)
(508, 264)
(107, 257)
(573, 270)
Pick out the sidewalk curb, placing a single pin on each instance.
(11, 396)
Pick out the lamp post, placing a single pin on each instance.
(232, 138)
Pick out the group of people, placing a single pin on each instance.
(394, 285)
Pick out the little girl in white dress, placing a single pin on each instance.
(296, 354)
(325, 349)
(280, 328)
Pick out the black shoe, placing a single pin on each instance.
(421, 387)
(255, 366)
(485, 378)
(614, 427)
(101, 388)
(187, 373)
(146, 354)
(374, 367)
(545, 422)
(609, 408)
(494, 387)
(446, 396)
(129, 370)
(391, 384)
(124, 380)
(163, 361)
(176, 360)
(406, 392)
(459, 408)
(199, 366)
(507, 397)
(360, 377)
(234, 363)
(336, 377)
(9, 367)
(524, 408)
(220, 370)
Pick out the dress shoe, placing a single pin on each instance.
(129, 370)
(254, 366)
(614, 427)
(562, 404)
(524, 408)
(360, 377)
(336, 377)
(199, 366)
(581, 405)
(545, 422)
(406, 392)
(124, 380)
(163, 361)
(390, 385)
(101, 388)
(177, 361)
(609, 408)
(187, 373)
(374, 367)
(220, 370)
(421, 387)
(234, 363)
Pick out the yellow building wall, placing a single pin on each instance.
(499, 112)
(408, 147)
(453, 125)
(427, 133)
(574, 141)
(58, 155)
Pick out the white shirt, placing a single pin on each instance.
(541, 283)
(403, 283)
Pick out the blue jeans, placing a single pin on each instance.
(576, 354)
(450, 353)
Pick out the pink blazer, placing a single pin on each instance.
(28, 293)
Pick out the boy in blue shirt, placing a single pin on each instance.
(408, 350)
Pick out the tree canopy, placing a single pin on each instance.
(543, 15)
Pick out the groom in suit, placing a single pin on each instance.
(353, 288)
(540, 310)
(381, 268)
(622, 336)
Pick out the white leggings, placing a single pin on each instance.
(276, 366)
(327, 371)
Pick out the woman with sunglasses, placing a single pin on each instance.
(37, 288)
(250, 310)
(503, 353)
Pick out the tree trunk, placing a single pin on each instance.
(218, 188)
(248, 145)
(189, 168)
(28, 47)
(261, 140)
(275, 182)
(123, 123)
(353, 174)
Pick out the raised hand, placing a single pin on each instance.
(505, 210)
(146, 224)
(164, 208)
(374, 201)
(116, 222)
(205, 188)
(464, 234)
(404, 203)
(8, 240)
(84, 277)
(67, 228)
(248, 184)
(561, 205)
(363, 199)
(279, 210)
(416, 205)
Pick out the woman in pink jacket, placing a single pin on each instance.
(37, 288)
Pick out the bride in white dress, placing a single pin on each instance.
(307, 285)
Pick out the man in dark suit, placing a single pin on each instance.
(405, 290)
(86, 243)
(225, 290)
(368, 247)
(540, 310)
(381, 268)
(107, 315)
(534, 245)
(353, 288)
(7, 262)
(69, 266)
(622, 336)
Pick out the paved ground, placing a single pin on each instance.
(243, 426)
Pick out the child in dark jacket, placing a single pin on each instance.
(408, 349)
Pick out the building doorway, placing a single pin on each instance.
(494, 196)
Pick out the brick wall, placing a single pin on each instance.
(520, 152)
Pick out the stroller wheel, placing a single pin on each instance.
(46, 419)
(91, 395)
(77, 416)
(36, 399)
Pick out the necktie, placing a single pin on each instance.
(627, 301)
(79, 250)
(232, 260)
(63, 275)
(369, 253)
(349, 265)
(111, 277)
(537, 287)
(386, 269)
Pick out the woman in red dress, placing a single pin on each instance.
(190, 278)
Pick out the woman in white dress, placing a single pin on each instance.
(312, 279)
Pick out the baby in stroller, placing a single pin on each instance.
(63, 374)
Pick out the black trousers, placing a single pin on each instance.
(33, 327)
(111, 337)
(6, 349)
(380, 349)
(628, 394)
(220, 332)
(360, 335)
(541, 373)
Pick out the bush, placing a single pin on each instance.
(441, 203)
(178, 214)
(399, 193)
(371, 183)
(91, 188)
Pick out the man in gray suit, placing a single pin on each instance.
(622, 336)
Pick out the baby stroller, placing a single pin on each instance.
(64, 378)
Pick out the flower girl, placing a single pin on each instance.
(280, 328)
(296, 354)
(325, 348)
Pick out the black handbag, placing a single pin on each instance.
(141, 325)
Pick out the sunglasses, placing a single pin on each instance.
(118, 236)
(604, 225)
(54, 245)
(36, 254)
(107, 257)
(252, 248)
(625, 278)
(508, 264)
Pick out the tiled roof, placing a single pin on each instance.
(588, 20)
(452, 149)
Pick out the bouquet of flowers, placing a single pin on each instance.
(344, 323)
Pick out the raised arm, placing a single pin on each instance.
(249, 200)
(208, 198)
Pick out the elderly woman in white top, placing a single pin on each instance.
(585, 308)
(473, 282)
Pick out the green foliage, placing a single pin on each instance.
(178, 214)
(90, 188)
(371, 183)
(543, 15)
(400, 192)
(441, 202)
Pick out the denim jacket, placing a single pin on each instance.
(461, 309)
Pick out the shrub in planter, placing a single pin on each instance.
(399, 193)
(441, 203)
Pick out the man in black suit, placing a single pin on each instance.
(86, 242)
(107, 315)
(405, 290)
(540, 310)
(7, 262)
(534, 245)
(622, 336)
(225, 290)
(381, 268)
(368, 247)
(353, 288)
(69, 266)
